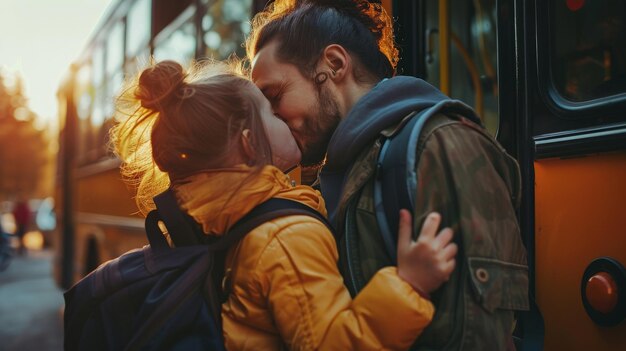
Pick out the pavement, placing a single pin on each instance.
(31, 305)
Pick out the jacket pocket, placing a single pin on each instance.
(499, 284)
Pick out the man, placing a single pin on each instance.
(327, 67)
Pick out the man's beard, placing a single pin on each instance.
(319, 129)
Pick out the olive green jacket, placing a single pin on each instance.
(465, 175)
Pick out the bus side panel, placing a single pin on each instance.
(104, 195)
(105, 192)
(110, 241)
(579, 216)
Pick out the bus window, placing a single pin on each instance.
(89, 86)
(138, 35)
(467, 68)
(178, 45)
(106, 91)
(97, 111)
(83, 99)
(97, 63)
(99, 87)
(115, 49)
(138, 26)
(588, 57)
(225, 25)
(85, 92)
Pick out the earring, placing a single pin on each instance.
(320, 78)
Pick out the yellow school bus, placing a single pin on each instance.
(548, 78)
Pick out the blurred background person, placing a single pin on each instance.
(21, 213)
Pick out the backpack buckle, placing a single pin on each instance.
(226, 282)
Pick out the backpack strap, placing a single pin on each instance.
(155, 236)
(395, 181)
(266, 211)
(184, 231)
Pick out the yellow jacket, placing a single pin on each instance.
(287, 291)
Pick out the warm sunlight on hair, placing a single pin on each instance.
(131, 136)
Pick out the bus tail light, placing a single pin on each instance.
(603, 290)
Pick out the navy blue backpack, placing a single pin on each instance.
(159, 297)
(395, 183)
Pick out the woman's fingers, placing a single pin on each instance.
(430, 227)
(449, 251)
(444, 237)
(404, 230)
(448, 267)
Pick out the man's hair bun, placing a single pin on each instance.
(368, 13)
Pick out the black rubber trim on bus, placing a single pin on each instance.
(581, 142)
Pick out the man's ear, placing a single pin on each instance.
(337, 60)
(247, 146)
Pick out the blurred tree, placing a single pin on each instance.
(23, 148)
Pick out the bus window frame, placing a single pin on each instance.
(135, 50)
(186, 16)
(202, 45)
(117, 27)
(557, 103)
(410, 29)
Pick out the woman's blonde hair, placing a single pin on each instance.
(172, 123)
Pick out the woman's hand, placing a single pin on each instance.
(428, 262)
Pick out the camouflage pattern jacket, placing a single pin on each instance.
(462, 173)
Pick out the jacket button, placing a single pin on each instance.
(482, 275)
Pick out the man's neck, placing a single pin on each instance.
(353, 93)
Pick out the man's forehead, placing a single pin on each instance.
(265, 65)
(261, 56)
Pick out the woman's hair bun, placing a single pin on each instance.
(158, 85)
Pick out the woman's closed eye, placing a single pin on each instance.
(275, 94)
(274, 99)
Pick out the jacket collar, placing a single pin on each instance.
(217, 199)
(382, 107)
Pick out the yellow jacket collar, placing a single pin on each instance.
(217, 199)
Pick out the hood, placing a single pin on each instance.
(382, 107)
(217, 199)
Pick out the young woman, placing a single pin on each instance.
(213, 135)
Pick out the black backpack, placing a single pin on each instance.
(158, 297)
(395, 182)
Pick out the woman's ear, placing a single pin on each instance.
(247, 146)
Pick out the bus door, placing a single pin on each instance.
(548, 79)
(577, 116)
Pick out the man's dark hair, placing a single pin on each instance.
(304, 28)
